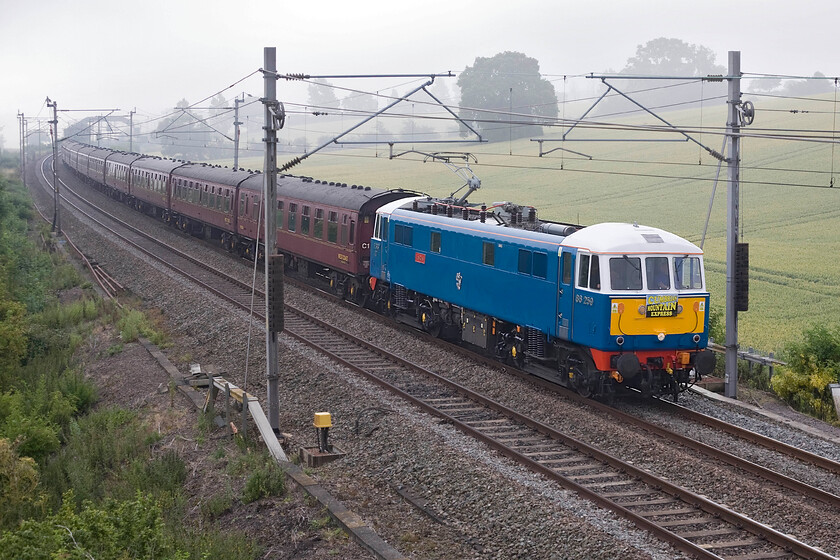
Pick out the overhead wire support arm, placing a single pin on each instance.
(714, 153)
(335, 140)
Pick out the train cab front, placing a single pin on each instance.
(652, 295)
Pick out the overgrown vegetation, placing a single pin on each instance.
(74, 482)
(812, 364)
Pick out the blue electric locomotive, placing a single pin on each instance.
(606, 305)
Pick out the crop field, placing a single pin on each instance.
(789, 215)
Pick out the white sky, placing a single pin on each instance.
(148, 54)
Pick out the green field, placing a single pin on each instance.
(793, 231)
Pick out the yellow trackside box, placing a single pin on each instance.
(323, 420)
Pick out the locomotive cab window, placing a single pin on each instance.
(687, 273)
(657, 273)
(626, 273)
(589, 272)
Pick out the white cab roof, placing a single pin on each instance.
(629, 238)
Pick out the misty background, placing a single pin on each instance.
(168, 67)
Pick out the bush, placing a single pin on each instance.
(129, 529)
(812, 365)
(268, 480)
(20, 496)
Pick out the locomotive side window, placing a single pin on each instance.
(626, 273)
(404, 235)
(524, 261)
(656, 271)
(488, 253)
(318, 226)
(292, 216)
(595, 274)
(304, 221)
(687, 273)
(540, 265)
(434, 242)
(332, 227)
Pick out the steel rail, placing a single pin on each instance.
(682, 494)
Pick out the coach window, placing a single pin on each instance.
(332, 227)
(344, 220)
(279, 218)
(257, 200)
(243, 203)
(304, 220)
(434, 242)
(212, 197)
(219, 199)
(227, 200)
(488, 253)
(292, 216)
(318, 229)
(352, 231)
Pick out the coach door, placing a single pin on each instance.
(565, 293)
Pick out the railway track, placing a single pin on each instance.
(692, 523)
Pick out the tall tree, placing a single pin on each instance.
(504, 97)
(322, 95)
(667, 57)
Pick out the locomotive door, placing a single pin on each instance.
(565, 293)
(379, 248)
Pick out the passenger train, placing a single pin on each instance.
(604, 306)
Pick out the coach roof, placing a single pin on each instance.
(340, 195)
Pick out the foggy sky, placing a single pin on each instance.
(93, 54)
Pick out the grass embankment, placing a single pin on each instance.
(79, 479)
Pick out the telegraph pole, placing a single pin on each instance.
(273, 263)
(54, 134)
(236, 123)
(131, 130)
(733, 125)
(22, 147)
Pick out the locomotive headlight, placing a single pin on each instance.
(679, 309)
(642, 310)
(696, 338)
(660, 336)
(619, 340)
